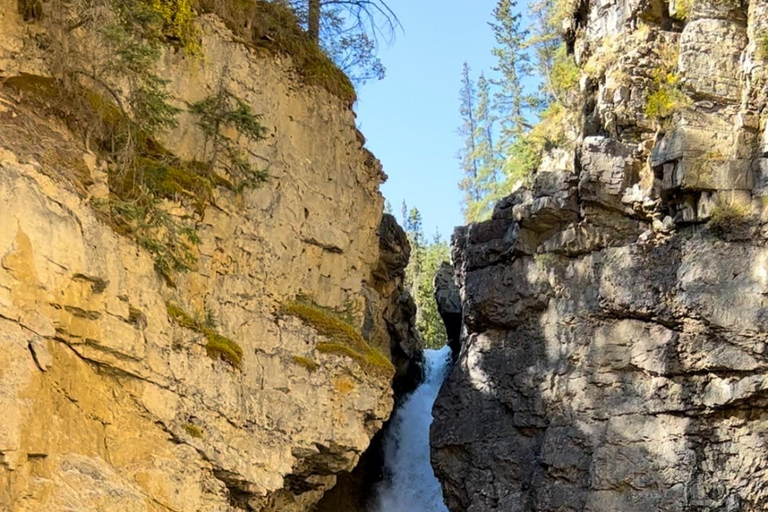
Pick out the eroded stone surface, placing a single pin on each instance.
(614, 356)
(107, 405)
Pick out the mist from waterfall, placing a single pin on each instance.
(410, 484)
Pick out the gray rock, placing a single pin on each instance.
(449, 305)
(615, 357)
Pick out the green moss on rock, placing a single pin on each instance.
(344, 339)
(217, 346)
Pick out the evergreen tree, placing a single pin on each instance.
(513, 65)
(426, 259)
(470, 161)
(349, 31)
(486, 154)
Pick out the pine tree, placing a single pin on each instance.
(426, 258)
(486, 153)
(470, 161)
(349, 31)
(513, 64)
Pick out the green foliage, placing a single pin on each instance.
(350, 45)
(124, 106)
(426, 258)
(526, 152)
(561, 11)
(665, 102)
(178, 20)
(666, 99)
(221, 113)
(536, 83)
(193, 430)
(683, 9)
(470, 161)
(169, 240)
(344, 338)
(310, 364)
(565, 74)
(217, 346)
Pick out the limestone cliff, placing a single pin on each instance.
(615, 310)
(111, 404)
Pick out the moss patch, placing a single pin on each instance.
(217, 346)
(762, 46)
(344, 338)
(310, 364)
(193, 430)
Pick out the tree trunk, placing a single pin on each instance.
(314, 20)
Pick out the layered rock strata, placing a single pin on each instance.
(107, 403)
(615, 311)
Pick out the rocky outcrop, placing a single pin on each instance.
(449, 305)
(354, 490)
(108, 404)
(615, 313)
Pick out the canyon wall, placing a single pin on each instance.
(614, 352)
(111, 399)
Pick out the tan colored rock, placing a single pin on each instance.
(110, 406)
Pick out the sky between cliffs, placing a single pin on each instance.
(410, 118)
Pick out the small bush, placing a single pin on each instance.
(193, 430)
(344, 338)
(665, 102)
(178, 20)
(667, 99)
(683, 9)
(217, 346)
(310, 364)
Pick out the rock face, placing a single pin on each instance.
(107, 404)
(449, 305)
(615, 353)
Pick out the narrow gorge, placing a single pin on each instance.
(204, 307)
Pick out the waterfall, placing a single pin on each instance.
(410, 484)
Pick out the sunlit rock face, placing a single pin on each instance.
(614, 355)
(106, 405)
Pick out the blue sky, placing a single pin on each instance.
(410, 118)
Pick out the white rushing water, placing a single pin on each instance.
(410, 484)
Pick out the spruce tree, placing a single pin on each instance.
(486, 152)
(470, 161)
(513, 65)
